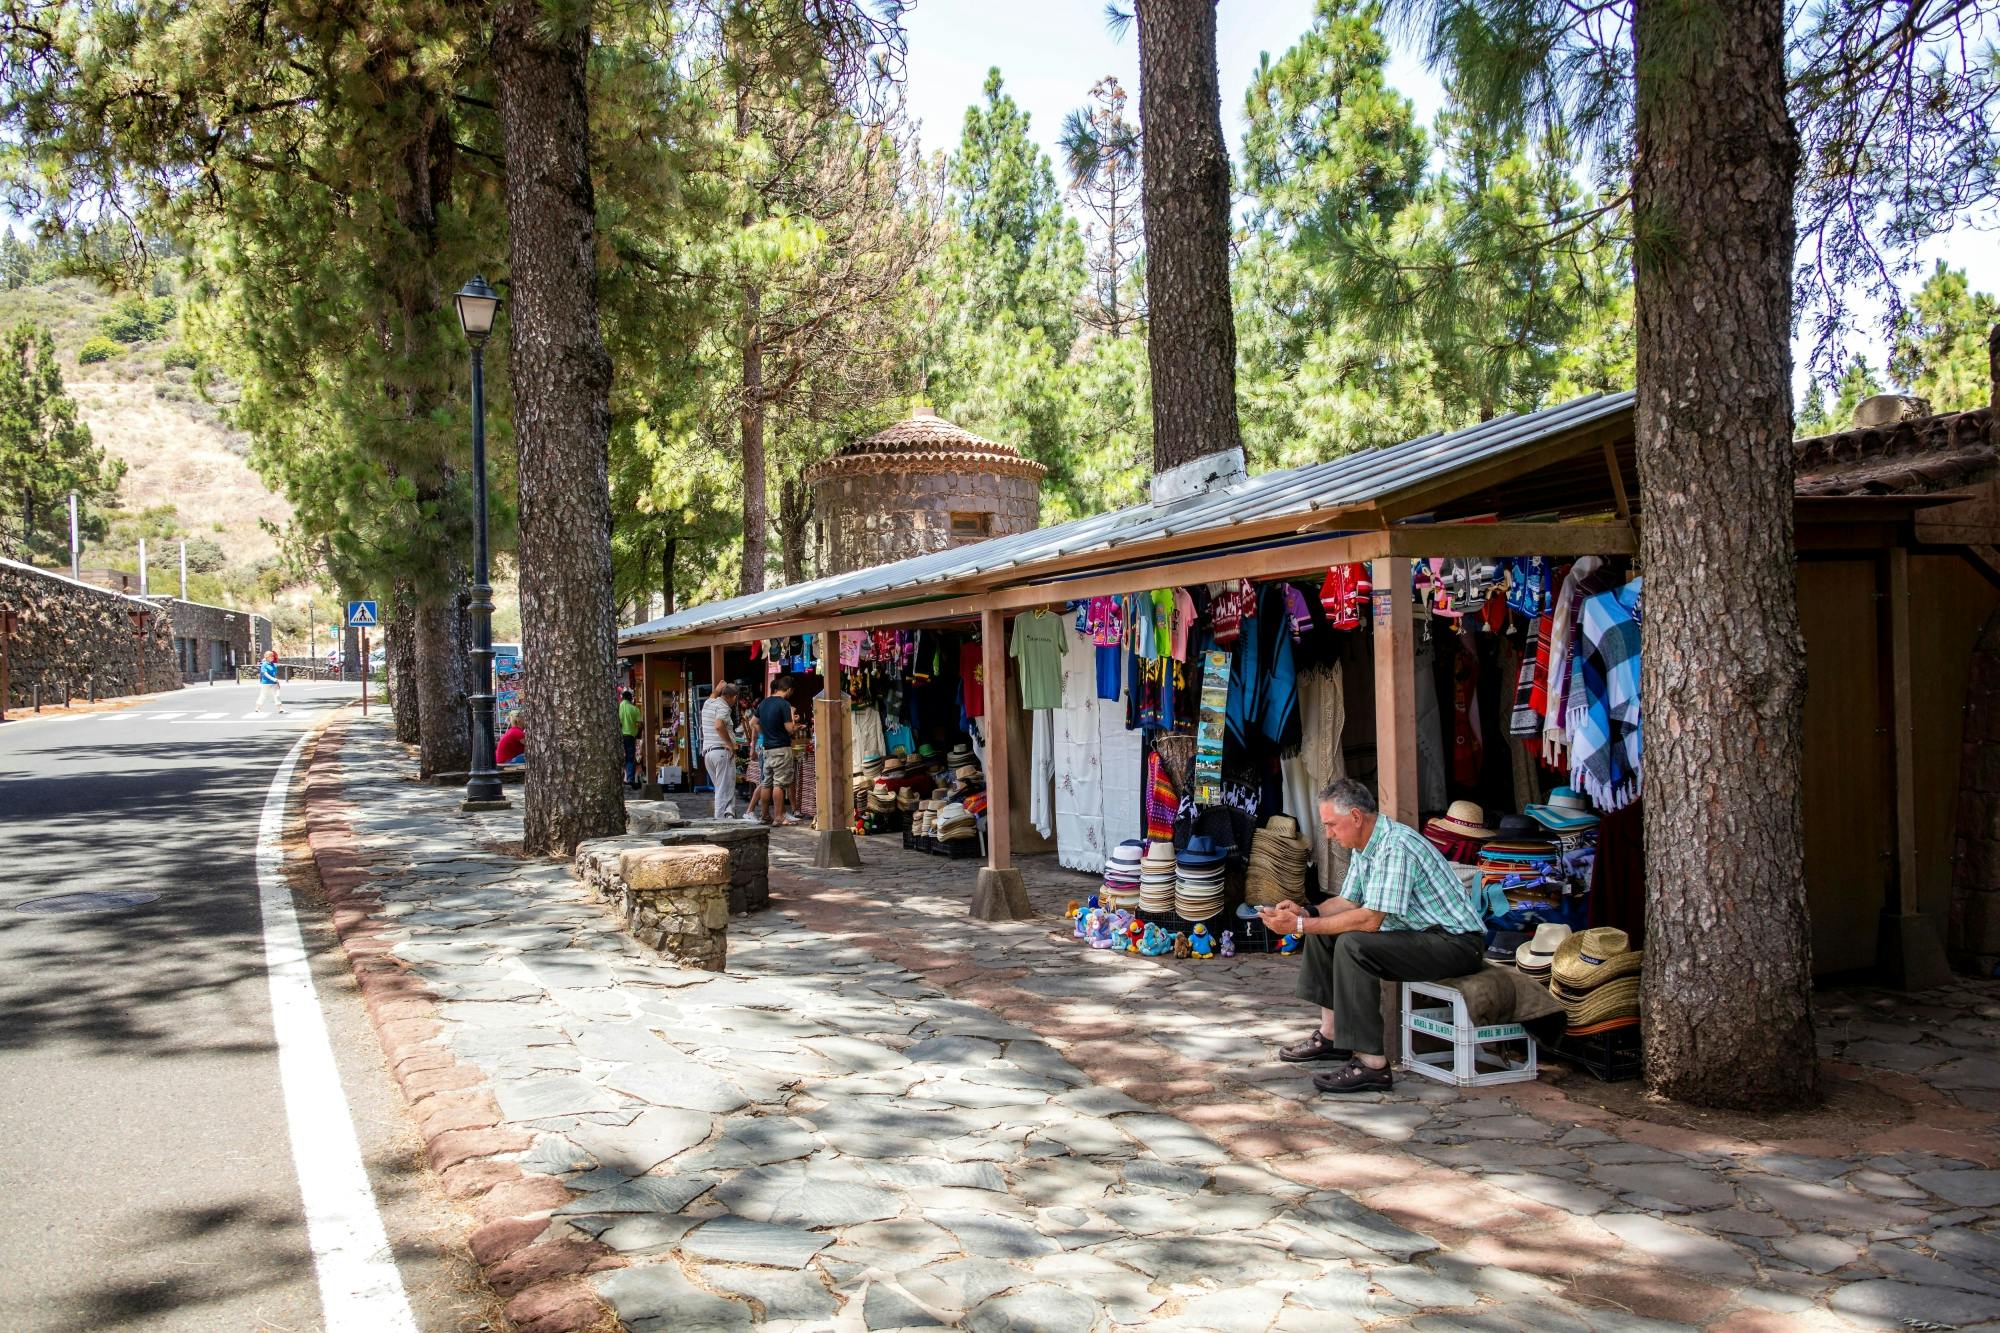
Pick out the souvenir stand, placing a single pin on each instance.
(1452, 620)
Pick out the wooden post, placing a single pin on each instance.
(1909, 945)
(1001, 894)
(649, 736)
(714, 667)
(833, 794)
(1395, 691)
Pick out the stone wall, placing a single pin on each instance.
(214, 640)
(71, 635)
(871, 518)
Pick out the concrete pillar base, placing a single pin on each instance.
(1000, 895)
(834, 849)
(502, 804)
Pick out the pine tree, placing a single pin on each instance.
(1101, 146)
(1940, 347)
(45, 453)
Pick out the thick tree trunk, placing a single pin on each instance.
(561, 381)
(401, 641)
(443, 679)
(1192, 342)
(667, 576)
(1728, 975)
(756, 505)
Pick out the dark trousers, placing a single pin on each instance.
(631, 744)
(1345, 973)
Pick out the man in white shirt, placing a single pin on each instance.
(718, 747)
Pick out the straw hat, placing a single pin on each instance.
(1160, 853)
(1465, 820)
(1567, 811)
(1612, 1000)
(1282, 826)
(1596, 956)
(1539, 954)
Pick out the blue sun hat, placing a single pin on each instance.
(1567, 811)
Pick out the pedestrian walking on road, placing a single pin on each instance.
(718, 747)
(631, 721)
(267, 683)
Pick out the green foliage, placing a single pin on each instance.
(1940, 348)
(204, 556)
(180, 357)
(135, 319)
(98, 348)
(45, 453)
(1859, 381)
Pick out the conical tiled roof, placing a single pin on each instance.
(926, 442)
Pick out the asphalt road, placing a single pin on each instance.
(147, 1177)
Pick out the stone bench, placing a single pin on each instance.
(749, 848)
(676, 900)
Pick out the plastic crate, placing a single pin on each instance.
(1472, 1057)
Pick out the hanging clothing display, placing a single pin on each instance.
(865, 733)
(1562, 646)
(1099, 769)
(972, 678)
(1039, 641)
(1603, 721)
(1042, 771)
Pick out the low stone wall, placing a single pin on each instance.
(676, 900)
(749, 848)
(71, 635)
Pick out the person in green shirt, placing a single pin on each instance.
(631, 721)
(1402, 915)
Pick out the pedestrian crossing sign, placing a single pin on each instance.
(361, 615)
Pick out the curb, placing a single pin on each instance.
(541, 1281)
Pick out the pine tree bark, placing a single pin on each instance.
(443, 679)
(401, 637)
(1728, 974)
(561, 379)
(1185, 168)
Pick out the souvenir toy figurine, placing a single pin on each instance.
(1156, 942)
(1135, 935)
(1101, 934)
(1085, 922)
(1290, 944)
(1181, 949)
(1228, 944)
(1073, 911)
(1199, 942)
(1120, 921)
(1093, 904)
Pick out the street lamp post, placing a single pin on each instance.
(477, 305)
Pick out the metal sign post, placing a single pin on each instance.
(361, 616)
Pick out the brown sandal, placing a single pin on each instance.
(1315, 1047)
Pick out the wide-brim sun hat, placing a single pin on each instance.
(1593, 957)
(1566, 811)
(1614, 999)
(1161, 852)
(1465, 819)
(1202, 850)
(1538, 954)
(1517, 826)
(1281, 826)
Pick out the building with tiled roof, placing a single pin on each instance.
(922, 485)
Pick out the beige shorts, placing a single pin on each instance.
(781, 767)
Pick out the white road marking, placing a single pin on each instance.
(163, 717)
(212, 717)
(359, 1287)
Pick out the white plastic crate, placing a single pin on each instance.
(1475, 1056)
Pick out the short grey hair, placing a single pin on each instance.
(726, 689)
(1348, 795)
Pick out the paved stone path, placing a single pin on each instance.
(885, 1116)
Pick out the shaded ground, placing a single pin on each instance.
(885, 1115)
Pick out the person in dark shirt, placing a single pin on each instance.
(777, 722)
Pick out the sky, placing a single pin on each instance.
(1051, 51)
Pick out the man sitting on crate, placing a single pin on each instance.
(1402, 915)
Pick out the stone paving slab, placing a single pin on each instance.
(865, 1123)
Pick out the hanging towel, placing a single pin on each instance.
(1604, 724)
(1042, 771)
(1562, 648)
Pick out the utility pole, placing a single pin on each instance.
(142, 567)
(75, 545)
(184, 569)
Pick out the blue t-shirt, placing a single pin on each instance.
(772, 715)
(267, 674)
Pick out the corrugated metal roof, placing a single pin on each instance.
(1341, 483)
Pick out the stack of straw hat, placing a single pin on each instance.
(1198, 886)
(955, 823)
(1595, 977)
(1156, 879)
(1278, 858)
(1121, 874)
(864, 779)
(1534, 957)
(906, 799)
(924, 823)
(959, 756)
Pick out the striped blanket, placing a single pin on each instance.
(1603, 704)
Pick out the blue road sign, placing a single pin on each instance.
(361, 615)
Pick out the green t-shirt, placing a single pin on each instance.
(1039, 642)
(630, 720)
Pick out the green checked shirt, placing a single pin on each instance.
(1402, 876)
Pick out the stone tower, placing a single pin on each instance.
(922, 485)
